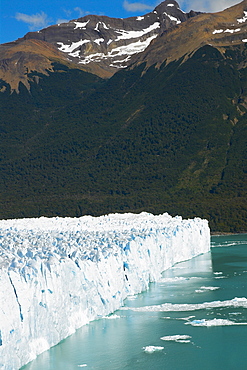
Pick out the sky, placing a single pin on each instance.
(17, 17)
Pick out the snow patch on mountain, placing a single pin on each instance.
(226, 31)
(125, 35)
(125, 50)
(99, 41)
(110, 38)
(172, 18)
(217, 31)
(70, 48)
(81, 25)
(243, 19)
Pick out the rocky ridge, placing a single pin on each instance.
(102, 45)
(97, 44)
(227, 28)
(111, 41)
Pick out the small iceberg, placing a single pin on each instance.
(203, 289)
(151, 349)
(214, 322)
(177, 338)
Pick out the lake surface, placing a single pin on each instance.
(195, 318)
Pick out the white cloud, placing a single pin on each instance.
(207, 5)
(135, 7)
(80, 11)
(62, 20)
(77, 12)
(34, 21)
(67, 12)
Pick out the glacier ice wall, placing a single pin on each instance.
(57, 274)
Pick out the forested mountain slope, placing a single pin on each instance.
(169, 137)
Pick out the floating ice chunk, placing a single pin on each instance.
(206, 289)
(227, 243)
(177, 338)
(173, 279)
(185, 318)
(169, 307)
(132, 297)
(178, 318)
(219, 275)
(111, 317)
(151, 349)
(179, 278)
(214, 322)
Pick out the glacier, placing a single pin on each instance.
(58, 274)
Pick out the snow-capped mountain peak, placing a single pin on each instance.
(110, 42)
(97, 44)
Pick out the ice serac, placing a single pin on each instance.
(58, 274)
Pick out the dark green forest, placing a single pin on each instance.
(170, 139)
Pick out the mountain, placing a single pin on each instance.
(222, 29)
(96, 44)
(165, 134)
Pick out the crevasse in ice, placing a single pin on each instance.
(57, 274)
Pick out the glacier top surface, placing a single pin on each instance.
(116, 221)
(26, 243)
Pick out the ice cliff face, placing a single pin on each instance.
(58, 274)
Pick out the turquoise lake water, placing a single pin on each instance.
(199, 309)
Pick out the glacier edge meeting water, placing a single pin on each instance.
(57, 274)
